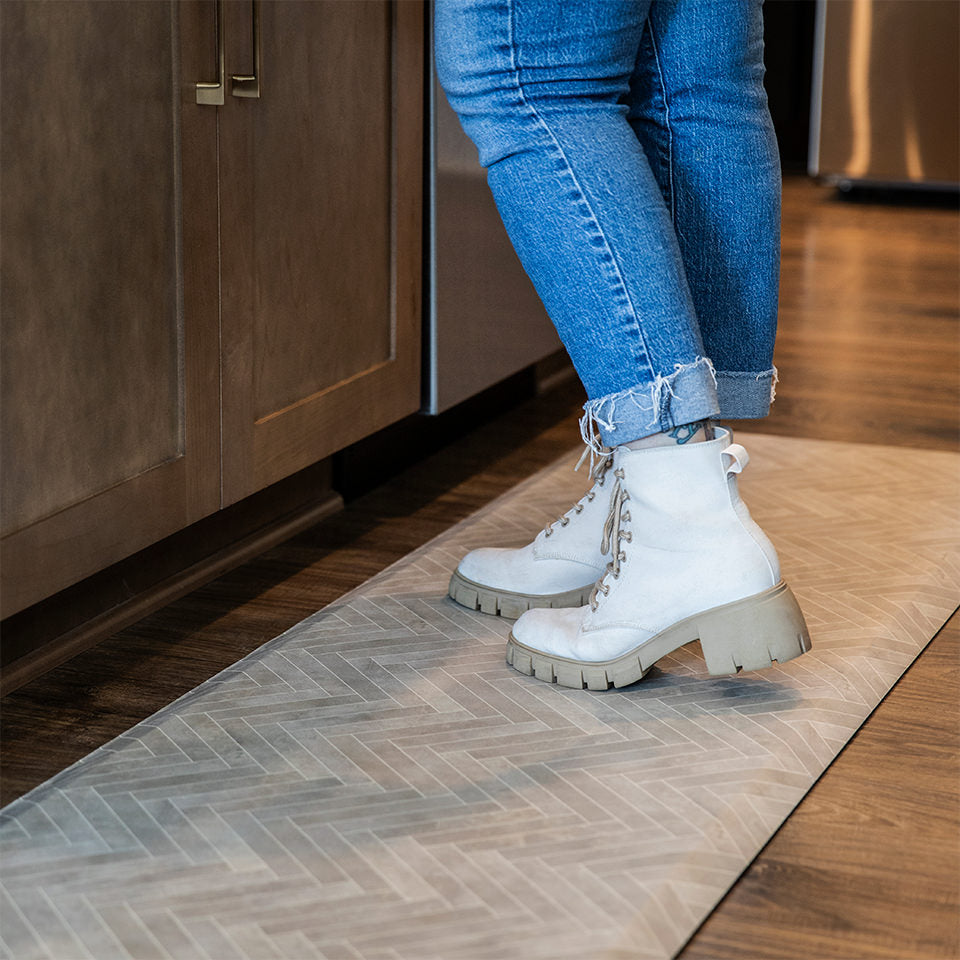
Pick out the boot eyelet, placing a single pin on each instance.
(579, 508)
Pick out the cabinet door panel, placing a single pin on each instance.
(106, 392)
(320, 200)
(82, 281)
(321, 182)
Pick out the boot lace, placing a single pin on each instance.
(613, 536)
(598, 472)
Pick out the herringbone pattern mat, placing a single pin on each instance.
(376, 783)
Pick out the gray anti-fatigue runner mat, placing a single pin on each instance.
(376, 783)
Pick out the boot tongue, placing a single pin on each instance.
(611, 533)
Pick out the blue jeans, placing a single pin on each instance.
(630, 152)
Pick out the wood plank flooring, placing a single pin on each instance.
(867, 351)
(867, 865)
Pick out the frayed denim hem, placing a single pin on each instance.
(684, 396)
(746, 395)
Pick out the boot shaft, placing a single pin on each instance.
(686, 539)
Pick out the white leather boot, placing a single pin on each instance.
(558, 569)
(688, 563)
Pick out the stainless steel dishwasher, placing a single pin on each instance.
(484, 320)
(886, 93)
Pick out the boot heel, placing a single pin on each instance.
(750, 634)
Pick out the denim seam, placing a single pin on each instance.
(666, 120)
(582, 193)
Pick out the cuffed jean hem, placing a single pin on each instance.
(745, 395)
(687, 395)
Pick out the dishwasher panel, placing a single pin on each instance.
(886, 92)
(484, 319)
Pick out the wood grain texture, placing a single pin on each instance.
(869, 863)
(321, 214)
(58, 718)
(91, 268)
(867, 344)
(110, 287)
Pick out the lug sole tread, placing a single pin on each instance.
(749, 634)
(510, 604)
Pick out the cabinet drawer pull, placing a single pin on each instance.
(248, 85)
(212, 93)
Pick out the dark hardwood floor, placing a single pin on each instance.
(867, 866)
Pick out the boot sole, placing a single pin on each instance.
(506, 603)
(749, 634)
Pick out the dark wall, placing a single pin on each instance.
(788, 55)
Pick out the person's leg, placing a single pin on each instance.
(538, 86)
(699, 109)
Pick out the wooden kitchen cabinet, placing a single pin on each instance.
(321, 298)
(110, 435)
(197, 299)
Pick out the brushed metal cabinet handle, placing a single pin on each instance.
(208, 93)
(248, 84)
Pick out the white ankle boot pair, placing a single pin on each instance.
(683, 561)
